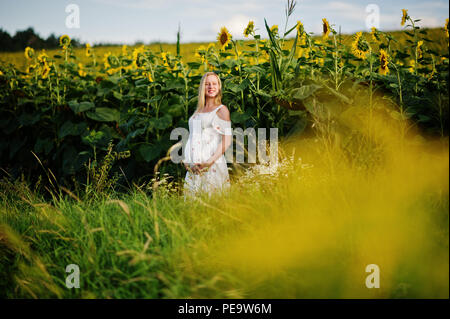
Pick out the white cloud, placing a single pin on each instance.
(338, 5)
(140, 4)
(430, 5)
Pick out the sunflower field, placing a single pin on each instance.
(81, 127)
(67, 110)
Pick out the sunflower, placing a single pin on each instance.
(360, 47)
(105, 60)
(88, 49)
(211, 48)
(165, 59)
(326, 28)
(384, 62)
(124, 49)
(201, 53)
(446, 27)
(319, 61)
(274, 29)
(45, 70)
(29, 53)
(148, 75)
(138, 57)
(419, 50)
(375, 35)
(405, 17)
(303, 52)
(81, 71)
(412, 65)
(224, 37)
(43, 57)
(64, 41)
(113, 61)
(300, 29)
(31, 68)
(249, 29)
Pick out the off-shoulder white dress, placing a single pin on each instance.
(205, 136)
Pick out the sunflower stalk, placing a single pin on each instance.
(289, 10)
(240, 73)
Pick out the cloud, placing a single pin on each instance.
(230, 6)
(430, 5)
(139, 4)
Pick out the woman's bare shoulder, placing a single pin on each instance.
(223, 113)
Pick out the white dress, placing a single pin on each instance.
(205, 136)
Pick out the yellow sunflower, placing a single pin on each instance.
(29, 53)
(81, 71)
(360, 47)
(45, 70)
(249, 29)
(405, 16)
(419, 50)
(412, 65)
(138, 57)
(446, 27)
(64, 41)
(384, 62)
(274, 29)
(113, 61)
(165, 58)
(43, 57)
(105, 60)
(319, 61)
(326, 28)
(31, 68)
(88, 49)
(224, 37)
(300, 29)
(124, 49)
(375, 35)
(201, 53)
(211, 48)
(148, 75)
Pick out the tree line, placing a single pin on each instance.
(28, 38)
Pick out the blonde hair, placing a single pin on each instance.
(201, 91)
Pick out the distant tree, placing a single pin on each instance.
(27, 38)
(6, 42)
(52, 41)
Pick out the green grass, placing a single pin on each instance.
(306, 232)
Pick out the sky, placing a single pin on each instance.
(121, 21)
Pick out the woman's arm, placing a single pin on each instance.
(223, 146)
(224, 114)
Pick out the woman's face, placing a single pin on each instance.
(211, 86)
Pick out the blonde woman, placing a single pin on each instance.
(209, 137)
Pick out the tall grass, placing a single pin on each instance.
(306, 230)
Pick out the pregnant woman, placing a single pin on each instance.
(209, 137)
